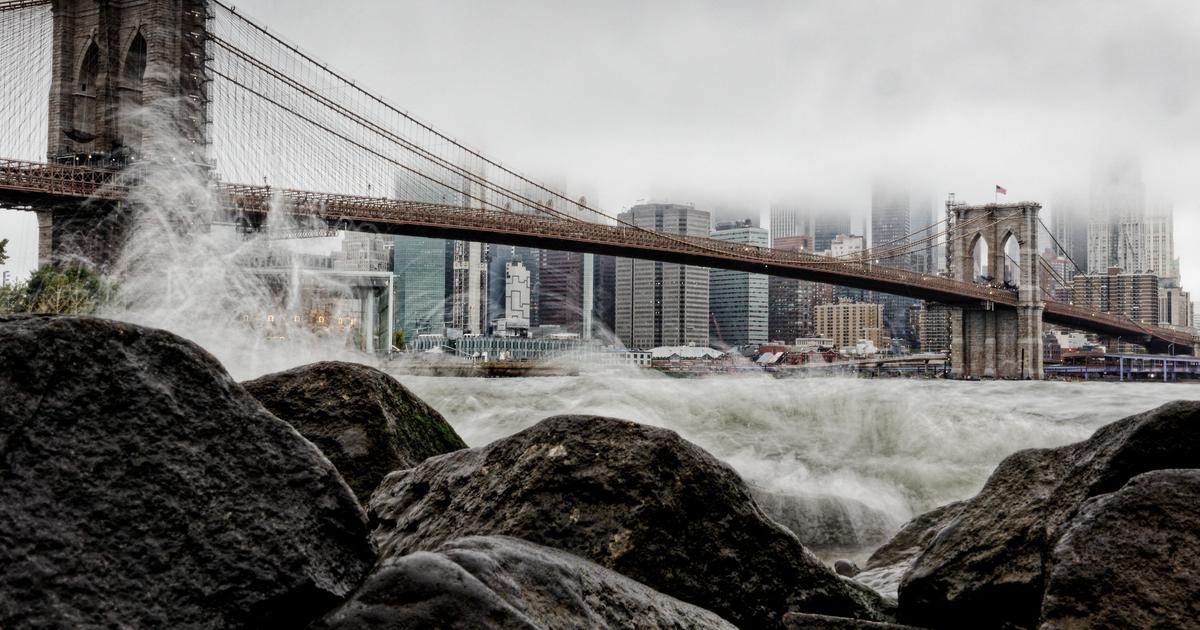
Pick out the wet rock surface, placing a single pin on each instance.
(140, 486)
(633, 498)
(500, 582)
(362, 419)
(987, 567)
(1130, 559)
(826, 521)
(801, 621)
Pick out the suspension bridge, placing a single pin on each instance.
(99, 96)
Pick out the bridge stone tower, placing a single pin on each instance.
(128, 83)
(990, 340)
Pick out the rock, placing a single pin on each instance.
(141, 487)
(986, 568)
(826, 521)
(802, 621)
(916, 534)
(365, 422)
(633, 498)
(887, 566)
(1130, 559)
(846, 568)
(501, 582)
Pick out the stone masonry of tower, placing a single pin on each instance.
(986, 340)
(128, 83)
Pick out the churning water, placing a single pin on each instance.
(902, 446)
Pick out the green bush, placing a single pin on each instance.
(67, 290)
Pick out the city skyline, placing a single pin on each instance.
(965, 97)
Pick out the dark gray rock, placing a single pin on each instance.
(914, 536)
(845, 568)
(365, 422)
(1130, 559)
(633, 498)
(501, 582)
(801, 621)
(986, 569)
(141, 487)
(826, 521)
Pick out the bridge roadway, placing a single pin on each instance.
(43, 185)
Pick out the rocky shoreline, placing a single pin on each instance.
(141, 486)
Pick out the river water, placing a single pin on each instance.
(902, 446)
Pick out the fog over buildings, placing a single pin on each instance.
(684, 101)
(742, 104)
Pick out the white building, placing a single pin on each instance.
(517, 292)
(846, 246)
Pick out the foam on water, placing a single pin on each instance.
(903, 446)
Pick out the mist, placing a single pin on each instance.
(709, 102)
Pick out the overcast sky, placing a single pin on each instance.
(741, 103)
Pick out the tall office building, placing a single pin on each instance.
(419, 268)
(560, 290)
(469, 287)
(517, 291)
(604, 297)
(1069, 227)
(501, 255)
(1116, 229)
(737, 299)
(791, 301)
(661, 303)
(821, 222)
(927, 256)
(891, 224)
(1158, 234)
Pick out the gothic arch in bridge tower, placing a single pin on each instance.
(83, 128)
(1010, 253)
(133, 72)
(979, 259)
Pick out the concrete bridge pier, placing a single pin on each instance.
(91, 234)
(988, 340)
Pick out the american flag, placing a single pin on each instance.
(1000, 190)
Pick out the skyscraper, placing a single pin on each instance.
(791, 301)
(1158, 236)
(1069, 227)
(560, 290)
(516, 290)
(821, 222)
(661, 303)
(891, 216)
(1115, 232)
(737, 299)
(419, 268)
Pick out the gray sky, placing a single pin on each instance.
(742, 103)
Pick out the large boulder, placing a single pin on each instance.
(986, 568)
(365, 422)
(500, 582)
(141, 487)
(823, 521)
(1130, 559)
(888, 564)
(636, 499)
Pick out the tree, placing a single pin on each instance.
(3, 255)
(398, 340)
(67, 290)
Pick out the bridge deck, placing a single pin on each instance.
(37, 184)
